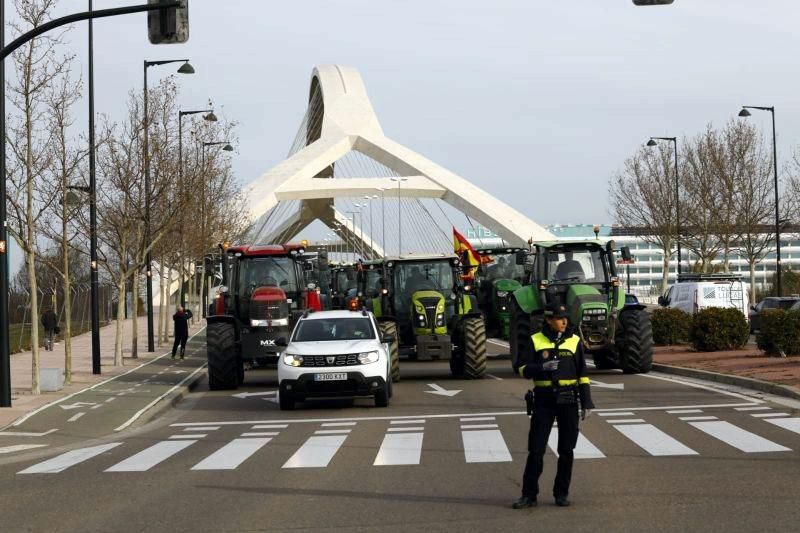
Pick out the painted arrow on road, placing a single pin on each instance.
(600, 384)
(249, 394)
(76, 405)
(441, 391)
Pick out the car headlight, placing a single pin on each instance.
(292, 359)
(502, 294)
(366, 358)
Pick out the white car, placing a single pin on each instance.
(700, 291)
(335, 354)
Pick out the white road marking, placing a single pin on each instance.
(332, 432)
(271, 426)
(690, 418)
(625, 420)
(232, 454)
(244, 395)
(413, 421)
(754, 408)
(485, 446)
(494, 377)
(26, 433)
(99, 405)
(620, 413)
(261, 434)
(688, 383)
(150, 457)
(76, 416)
(499, 342)
(583, 449)
(109, 400)
(189, 436)
(399, 449)
(317, 452)
(738, 437)
(684, 411)
(769, 415)
(76, 405)
(479, 426)
(653, 440)
(20, 447)
(792, 424)
(477, 419)
(203, 428)
(603, 385)
(335, 424)
(65, 460)
(441, 391)
(410, 428)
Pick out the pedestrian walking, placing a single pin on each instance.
(558, 370)
(181, 319)
(50, 324)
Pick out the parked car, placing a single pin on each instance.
(768, 304)
(335, 354)
(695, 292)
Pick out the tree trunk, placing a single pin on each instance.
(665, 274)
(30, 254)
(135, 317)
(161, 309)
(752, 264)
(120, 320)
(67, 311)
(190, 296)
(202, 304)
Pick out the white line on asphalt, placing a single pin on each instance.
(625, 420)
(653, 440)
(454, 415)
(25, 433)
(203, 428)
(498, 342)
(769, 415)
(150, 457)
(738, 437)
(99, 405)
(792, 424)
(270, 426)
(65, 460)
(621, 413)
(143, 410)
(109, 400)
(20, 447)
(409, 428)
(689, 418)
(412, 421)
(261, 434)
(704, 387)
(399, 449)
(76, 416)
(231, 455)
(189, 436)
(684, 411)
(56, 402)
(494, 377)
(332, 432)
(477, 418)
(317, 451)
(583, 449)
(335, 424)
(485, 446)
(479, 426)
(754, 408)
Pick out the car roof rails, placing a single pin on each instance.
(307, 312)
(364, 311)
(718, 276)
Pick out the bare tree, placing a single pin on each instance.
(642, 196)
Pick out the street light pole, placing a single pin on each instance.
(399, 227)
(652, 142)
(95, 306)
(5, 343)
(383, 218)
(371, 243)
(778, 274)
(186, 68)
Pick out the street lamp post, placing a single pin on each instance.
(383, 218)
(371, 239)
(745, 113)
(652, 142)
(5, 343)
(355, 235)
(399, 227)
(228, 148)
(186, 68)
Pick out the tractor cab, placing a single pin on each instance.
(496, 279)
(343, 285)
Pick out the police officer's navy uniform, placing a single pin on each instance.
(556, 395)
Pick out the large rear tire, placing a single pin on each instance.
(223, 361)
(390, 328)
(522, 325)
(604, 360)
(635, 342)
(474, 347)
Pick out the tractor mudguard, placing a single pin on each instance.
(528, 299)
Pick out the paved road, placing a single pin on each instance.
(660, 454)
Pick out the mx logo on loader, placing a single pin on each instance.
(268, 342)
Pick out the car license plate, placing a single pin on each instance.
(331, 376)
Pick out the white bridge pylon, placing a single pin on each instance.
(340, 121)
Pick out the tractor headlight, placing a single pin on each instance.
(421, 319)
(439, 319)
(292, 359)
(502, 294)
(366, 358)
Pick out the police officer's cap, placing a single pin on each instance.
(556, 310)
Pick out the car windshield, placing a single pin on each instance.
(581, 265)
(503, 266)
(267, 272)
(333, 329)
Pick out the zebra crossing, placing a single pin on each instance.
(481, 441)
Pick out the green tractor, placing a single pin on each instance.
(496, 280)
(422, 302)
(582, 275)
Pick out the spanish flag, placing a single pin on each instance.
(466, 252)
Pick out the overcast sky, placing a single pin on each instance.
(538, 102)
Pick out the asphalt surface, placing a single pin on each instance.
(666, 455)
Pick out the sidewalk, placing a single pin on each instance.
(23, 402)
(748, 362)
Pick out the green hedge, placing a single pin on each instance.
(780, 332)
(719, 329)
(670, 326)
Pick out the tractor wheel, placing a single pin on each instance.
(240, 371)
(635, 342)
(522, 325)
(474, 347)
(604, 360)
(223, 361)
(390, 328)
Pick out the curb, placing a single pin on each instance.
(728, 379)
(169, 402)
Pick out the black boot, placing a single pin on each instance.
(562, 501)
(523, 502)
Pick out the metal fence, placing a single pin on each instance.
(19, 308)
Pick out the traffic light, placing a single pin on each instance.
(169, 25)
(652, 2)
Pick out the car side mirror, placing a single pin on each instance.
(662, 301)
(753, 307)
(520, 257)
(626, 253)
(388, 339)
(281, 341)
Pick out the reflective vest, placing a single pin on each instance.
(567, 348)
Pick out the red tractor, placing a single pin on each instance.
(263, 292)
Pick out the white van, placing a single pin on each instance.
(694, 292)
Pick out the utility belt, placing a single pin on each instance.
(565, 392)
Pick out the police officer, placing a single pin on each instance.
(558, 369)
